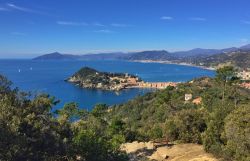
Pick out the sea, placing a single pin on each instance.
(38, 76)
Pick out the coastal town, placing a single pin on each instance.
(135, 82)
(157, 85)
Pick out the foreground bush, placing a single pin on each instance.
(237, 134)
(186, 126)
(29, 130)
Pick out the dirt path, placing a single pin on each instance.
(181, 152)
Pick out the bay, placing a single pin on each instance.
(48, 77)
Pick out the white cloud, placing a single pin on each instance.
(18, 33)
(197, 19)
(12, 6)
(99, 24)
(120, 25)
(3, 9)
(19, 8)
(71, 23)
(246, 22)
(166, 18)
(104, 31)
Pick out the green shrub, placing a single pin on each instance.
(237, 134)
(186, 125)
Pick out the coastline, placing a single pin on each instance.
(169, 62)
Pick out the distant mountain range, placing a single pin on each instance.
(100, 56)
(198, 56)
(57, 56)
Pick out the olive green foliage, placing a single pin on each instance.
(225, 74)
(99, 110)
(237, 134)
(187, 125)
(30, 131)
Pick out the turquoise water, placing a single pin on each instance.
(49, 76)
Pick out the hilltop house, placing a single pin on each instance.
(244, 75)
(158, 85)
(245, 85)
(188, 97)
(197, 100)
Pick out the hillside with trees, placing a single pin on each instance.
(240, 59)
(213, 122)
(31, 130)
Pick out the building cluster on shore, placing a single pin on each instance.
(124, 82)
(135, 82)
(158, 85)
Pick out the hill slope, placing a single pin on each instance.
(238, 58)
(165, 114)
(151, 55)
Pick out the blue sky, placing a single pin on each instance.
(33, 27)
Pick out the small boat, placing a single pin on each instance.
(19, 70)
(31, 68)
(117, 93)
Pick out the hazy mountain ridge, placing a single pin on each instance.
(197, 56)
(57, 56)
(60, 56)
(155, 55)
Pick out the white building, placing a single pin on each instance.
(244, 75)
(188, 97)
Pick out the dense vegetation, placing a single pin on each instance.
(29, 130)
